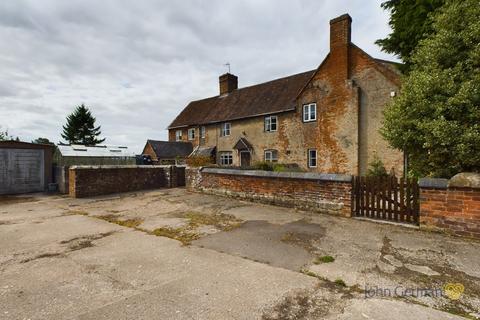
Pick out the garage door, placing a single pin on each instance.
(21, 170)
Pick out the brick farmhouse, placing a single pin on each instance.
(324, 120)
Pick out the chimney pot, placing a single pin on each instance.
(228, 82)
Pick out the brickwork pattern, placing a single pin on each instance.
(454, 210)
(101, 180)
(317, 195)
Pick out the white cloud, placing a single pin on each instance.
(138, 63)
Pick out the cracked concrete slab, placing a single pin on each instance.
(58, 259)
(276, 245)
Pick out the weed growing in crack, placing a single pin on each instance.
(76, 212)
(182, 234)
(310, 273)
(129, 223)
(323, 259)
(340, 282)
(222, 221)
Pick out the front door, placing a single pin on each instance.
(244, 159)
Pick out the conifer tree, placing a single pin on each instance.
(80, 128)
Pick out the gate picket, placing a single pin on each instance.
(367, 198)
(416, 203)
(402, 200)
(408, 200)
(386, 198)
(378, 194)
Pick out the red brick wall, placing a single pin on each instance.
(332, 197)
(89, 181)
(148, 150)
(454, 210)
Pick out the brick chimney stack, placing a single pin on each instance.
(340, 39)
(228, 82)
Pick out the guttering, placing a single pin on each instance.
(234, 119)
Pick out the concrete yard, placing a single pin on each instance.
(171, 254)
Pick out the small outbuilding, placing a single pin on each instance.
(25, 167)
(74, 154)
(167, 152)
(68, 155)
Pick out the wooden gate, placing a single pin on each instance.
(180, 172)
(386, 198)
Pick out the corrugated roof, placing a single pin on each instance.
(170, 149)
(265, 98)
(76, 150)
(12, 144)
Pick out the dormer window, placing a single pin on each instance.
(309, 112)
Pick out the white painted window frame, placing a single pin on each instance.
(271, 155)
(226, 158)
(191, 134)
(310, 158)
(269, 122)
(178, 135)
(225, 132)
(309, 113)
(203, 132)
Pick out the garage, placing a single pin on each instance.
(24, 167)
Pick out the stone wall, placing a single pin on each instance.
(451, 206)
(327, 193)
(89, 181)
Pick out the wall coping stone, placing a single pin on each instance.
(465, 180)
(132, 166)
(436, 183)
(289, 175)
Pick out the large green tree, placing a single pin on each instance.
(80, 128)
(410, 21)
(436, 117)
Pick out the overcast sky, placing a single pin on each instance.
(137, 64)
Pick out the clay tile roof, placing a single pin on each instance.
(243, 144)
(170, 149)
(265, 98)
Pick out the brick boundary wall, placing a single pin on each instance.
(89, 181)
(451, 206)
(327, 193)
